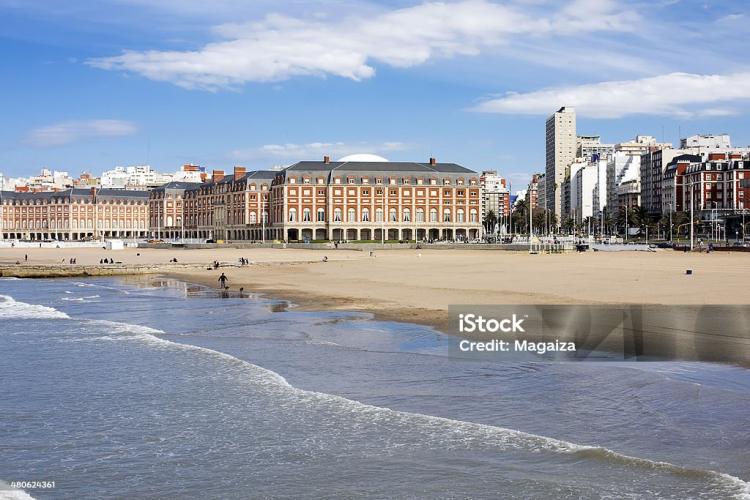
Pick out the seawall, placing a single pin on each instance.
(80, 270)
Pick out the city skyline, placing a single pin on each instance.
(92, 87)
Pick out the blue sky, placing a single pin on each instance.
(91, 85)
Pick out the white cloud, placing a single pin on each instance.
(280, 47)
(674, 94)
(63, 133)
(313, 150)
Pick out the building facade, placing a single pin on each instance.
(587, 146)
(717, 183)
(561, 148)
(495, 195)
(374, 200)
(74, 214)
(653, 165)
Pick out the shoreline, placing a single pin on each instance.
(418, 286)
(310, 301)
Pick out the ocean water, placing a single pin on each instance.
(153, 388)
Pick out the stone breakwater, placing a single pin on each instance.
(77, 270)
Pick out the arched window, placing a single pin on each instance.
(292, 215)
(420, 215)
(337, 215)
(447, 215)
(306, 215)
(392, 215)
(365, 215)
(407, 215)
(253, 218)
(473, 215)
(433, 215)
(378, 215)
(460, 215)
(169, 221)
(321, 215)
(351, 215)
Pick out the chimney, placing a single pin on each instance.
(326, 159)
(92, 191)
(239, 172)
(204, 177)
(433, 161)
(716, 156)
(217, 175)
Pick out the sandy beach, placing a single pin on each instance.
(419, 285)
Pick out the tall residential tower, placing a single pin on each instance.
(561, 145)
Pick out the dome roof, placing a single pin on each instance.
(363, 157)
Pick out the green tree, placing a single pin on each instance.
(490, 219)
(568, 225)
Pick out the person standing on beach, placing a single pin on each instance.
(223, 280)
(25, 257)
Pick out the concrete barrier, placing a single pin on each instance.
(80, 270)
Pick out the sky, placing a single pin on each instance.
(90, 85)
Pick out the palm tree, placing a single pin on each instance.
(490, 219)
(538, 218)
(608, 221)
(568, 225)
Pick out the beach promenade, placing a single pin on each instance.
(419, 285)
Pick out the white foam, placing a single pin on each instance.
(6, 493)
(12, 309)
(85, 300)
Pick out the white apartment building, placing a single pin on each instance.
(622, 167)
(47, 180)
(706, 142)
(588, 189)
(641, 144)
(587, 146)
(133, 177)
(561, 147)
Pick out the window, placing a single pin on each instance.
(378, 215)
(392, 215)
(321, 215)
(420, 215)
(447, 215)
(473, 215)
(306, 215)
(351, 215)
(292, 215)
(253, 218)
(460, 215)
(365, 215)
(337, 215)
(407, 215)
(350, 180)
(433, 215)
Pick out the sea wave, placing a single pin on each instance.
(7, 493)
(463, 433)
(13, 309)
(81, 299)
(454, 433)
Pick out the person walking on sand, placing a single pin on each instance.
(25, 257)
(223, 280)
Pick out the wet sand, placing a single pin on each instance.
(419, 285)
